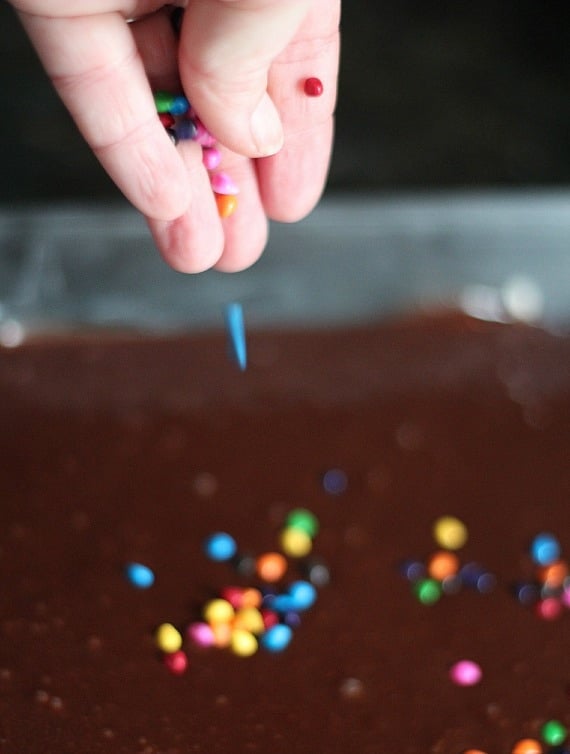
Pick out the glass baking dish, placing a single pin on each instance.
(358, 257)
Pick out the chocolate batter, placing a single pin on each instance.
(124, 449)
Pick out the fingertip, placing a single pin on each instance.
(266, 129)
(186, 244)
(292, 182)
(241, 252)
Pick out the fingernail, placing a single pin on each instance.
(266, 128)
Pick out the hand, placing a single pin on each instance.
(242, 64)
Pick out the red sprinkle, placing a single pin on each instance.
(270, 618)
(233, 595)
(166, 119)
(313, 87)
(548, 608)
(176, 662)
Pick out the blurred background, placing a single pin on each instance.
(431, 95)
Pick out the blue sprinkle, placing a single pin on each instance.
(335, 481)
(526, 593)
(302, 595)
(186, 129)
(413, 570)
(281, 603)
(292, 619)
(486, 582)
(545, 549)
(220, 546)
(470, 574)
(139, 575)
(179, 105)
(236, 333)
(276, 638)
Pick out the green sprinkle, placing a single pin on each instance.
(301, 518)
(428, 591)
(553, 733)
(163, 101)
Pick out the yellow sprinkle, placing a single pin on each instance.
(243, 643)
(250, 619)
(295, 542)
(218, 611)
(168, 638)
(450, 532)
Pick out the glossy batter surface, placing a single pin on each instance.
(135, 450)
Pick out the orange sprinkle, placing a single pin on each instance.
(249, 619)
(222, 634)
(443, 564)
(227, 204)
(474, 751)
(527, 746)
(271, 566)
(251, 597)
(554, 574)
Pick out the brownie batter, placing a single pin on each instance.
(120, 449)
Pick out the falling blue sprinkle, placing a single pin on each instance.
(236, 333)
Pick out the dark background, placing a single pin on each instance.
(431, 95)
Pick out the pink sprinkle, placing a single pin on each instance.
(176, 662)
(203, 136)
(201, 634)
(565, 597)
(223, 184)
(465, 673)
(211, 157)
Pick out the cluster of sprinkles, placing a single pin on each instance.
(442, 573)
(182, 124)
(265, 613)
(548, 593)
(244, 618)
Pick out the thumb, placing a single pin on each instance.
(226, 49)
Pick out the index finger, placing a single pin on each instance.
(95, 67)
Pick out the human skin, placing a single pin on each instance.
(242, 64)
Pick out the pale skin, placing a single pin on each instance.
(242, 64)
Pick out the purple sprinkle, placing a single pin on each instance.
(335, 481)
(186, 129)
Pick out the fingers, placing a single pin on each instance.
(292, 181)
(69, 8)
(226, 49)
(95, 67)
(230, 245)
(241, 236)
(193, 241)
